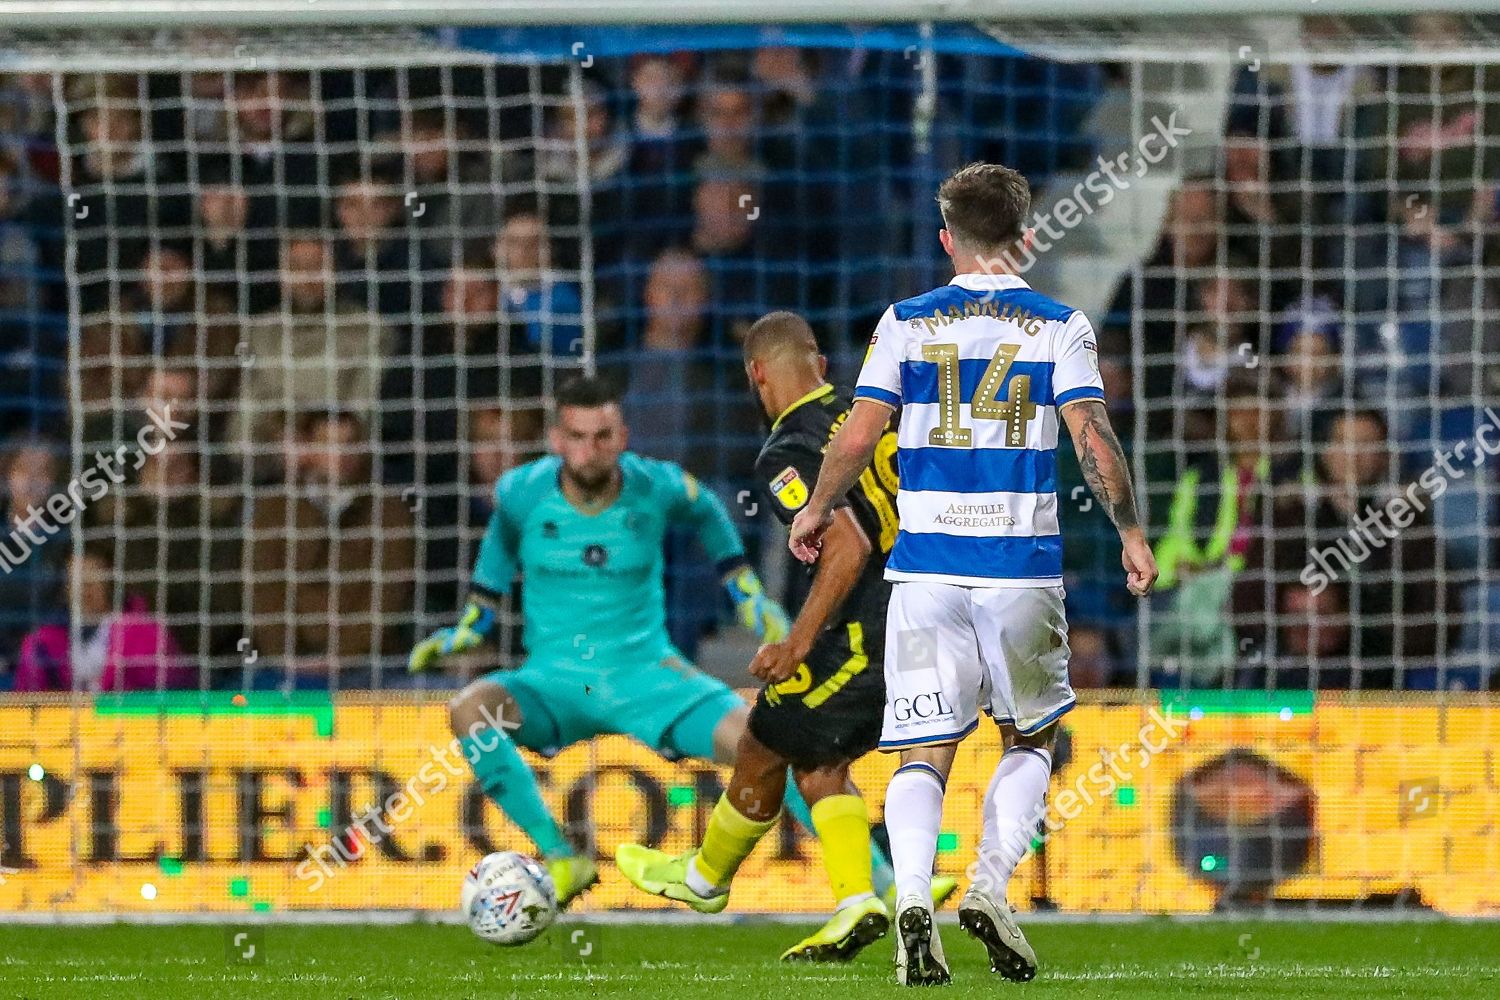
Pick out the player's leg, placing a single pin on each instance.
(745, 813)
(713, 726)
(728, 733)
(842, 822)
(488, 719)
(933, 686)
(1012, 807)
(1023, 641)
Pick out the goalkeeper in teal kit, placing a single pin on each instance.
(584, 527)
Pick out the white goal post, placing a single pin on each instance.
(271, 13)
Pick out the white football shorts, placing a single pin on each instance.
(951, 650)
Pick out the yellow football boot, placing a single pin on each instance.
(844, 936)
(573, 876)
(660, 874)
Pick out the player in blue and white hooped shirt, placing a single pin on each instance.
(982, 371)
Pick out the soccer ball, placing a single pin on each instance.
(508, 898)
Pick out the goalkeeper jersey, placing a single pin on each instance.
(593, 582)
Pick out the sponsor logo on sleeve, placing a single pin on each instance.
(789, 489)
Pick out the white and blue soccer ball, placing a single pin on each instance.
(508, 898)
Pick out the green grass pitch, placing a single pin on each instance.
(1081, 961)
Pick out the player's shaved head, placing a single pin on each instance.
(782, 360)
(781, 336)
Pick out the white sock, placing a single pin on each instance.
(696, 882)
(1012, 812)
(858, 897)
(913, 818)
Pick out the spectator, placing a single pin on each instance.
(606, 144)
(1313, 638)
(1213, 556)
(1443, 124)
(168, 389)
(607, 152)
(429, 392)
(1308, 344)
(375, 248)
(182, 318)
(1190, 239)
(312, 351)
(1319, 120)
(233, 250)
(500, 438)
(1261, 225)
(670, 388)
(123, 193)
(548, 311)
(729, 117)
(1438, 312)
(828, 198)
(121, 648)
(177, 539)
(32, 559)
(662, 152)
(162, 300)
(743, 283)
(20, 258)
(274, 133)
(1227, 336)
(453, 176)
(205, 109)
(438, 373)
(332, 560)
(1394, 591)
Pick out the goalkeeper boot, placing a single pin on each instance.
(991, 924)
(919, 953)
(573, 876)
(943, 886)
(845, 935)
(660, 874)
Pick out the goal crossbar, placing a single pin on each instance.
(31, 14)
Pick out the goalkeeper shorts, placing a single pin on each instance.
(829, 711)
(667, 703)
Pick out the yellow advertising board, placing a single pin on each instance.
(214, 803)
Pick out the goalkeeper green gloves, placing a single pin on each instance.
(472, 630)
(756, 612)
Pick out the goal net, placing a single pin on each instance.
(280, 306)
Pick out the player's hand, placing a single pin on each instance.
(756, 612)
(807, 531)
(776, 661)
(470, 633)
(1140, 565)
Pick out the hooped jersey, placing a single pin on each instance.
(979, 370)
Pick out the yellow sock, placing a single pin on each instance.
(843, 825)
(728, 841)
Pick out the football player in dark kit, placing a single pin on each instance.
(822, 706)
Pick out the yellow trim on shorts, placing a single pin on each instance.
(853, 667)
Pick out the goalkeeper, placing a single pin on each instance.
(584, 527)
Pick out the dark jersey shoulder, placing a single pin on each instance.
(792, 458)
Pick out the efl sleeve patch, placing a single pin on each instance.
(789, 489)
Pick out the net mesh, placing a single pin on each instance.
(278, 310)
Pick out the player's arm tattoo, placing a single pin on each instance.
(1103, 462)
